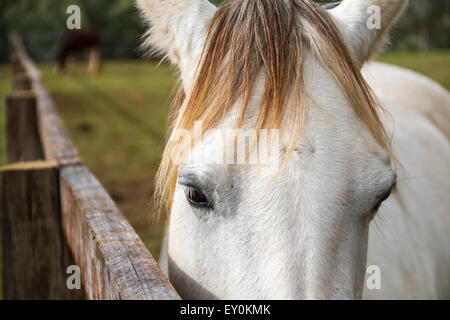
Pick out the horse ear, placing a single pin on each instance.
(177, 28)
(365, 24)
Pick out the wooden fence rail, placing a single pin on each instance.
(55, 213)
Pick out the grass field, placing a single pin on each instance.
(117, 121)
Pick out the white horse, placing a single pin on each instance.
(305, 231)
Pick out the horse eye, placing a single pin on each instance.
(196, 198)
(381, 200)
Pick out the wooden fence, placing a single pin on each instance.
(54, 212)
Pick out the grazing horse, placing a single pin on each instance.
(80, 41)
(347, 133)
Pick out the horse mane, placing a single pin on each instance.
(247, 39)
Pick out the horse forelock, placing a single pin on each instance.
(247, 39)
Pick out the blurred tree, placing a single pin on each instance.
(426, 25)
(43, 23)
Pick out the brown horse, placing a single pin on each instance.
(78, 41)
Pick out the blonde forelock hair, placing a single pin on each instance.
(245, 38)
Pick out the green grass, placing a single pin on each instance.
(117, 120)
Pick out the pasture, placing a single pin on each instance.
(117, 122)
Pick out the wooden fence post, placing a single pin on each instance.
(35, 255)
(22, 133)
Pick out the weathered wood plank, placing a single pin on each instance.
(20, 59)
(114, 261)
(22, 133)
(35, 255)
(16, 65)
(55, 138)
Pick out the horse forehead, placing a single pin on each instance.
(320, 130)
(330, 122)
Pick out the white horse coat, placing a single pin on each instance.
(410, 242)
(272, 243)
(410, 239)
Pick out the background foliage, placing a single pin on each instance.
(426, 25)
